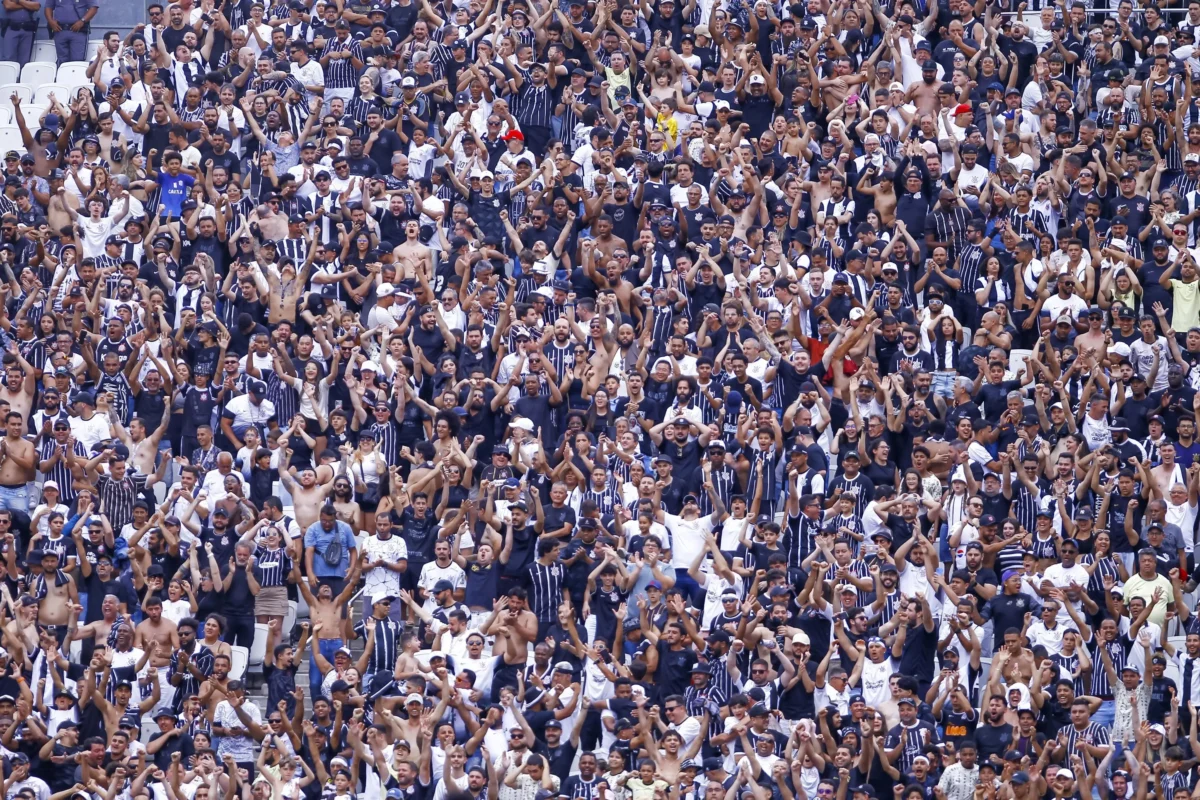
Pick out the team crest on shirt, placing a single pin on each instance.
(496, 203)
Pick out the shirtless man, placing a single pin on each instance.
(21, 633)
(99, 630)
(20, 383)
(160, 638)
(1168, 472)
(56, 593)
(143, 445)
(18, 462)
(923, 93)
(820, 190)
(216, 688)
(308, 495)
(412, 257)
(514, 627)
(603, 240)
(325, 612)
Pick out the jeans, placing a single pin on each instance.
(15, 498)
(686, 583)
(327, 648)
(1106, 715)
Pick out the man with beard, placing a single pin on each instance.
(994, 735)
(1006, 610)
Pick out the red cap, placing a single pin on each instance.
(520, 137)
(963, 108)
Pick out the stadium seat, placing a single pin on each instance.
(92, 46)
(289, 619)
(44, 51)
(10, 72)
(241, 657)
(1172, 673)
(7, 90)
(6, 117)
(32, 112)
(258, 650)
(10, 138)
(1178, 642)
(41, 94)
(35, 73)
(72, 73)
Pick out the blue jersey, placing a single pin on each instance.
(175, 189)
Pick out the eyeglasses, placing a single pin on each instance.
(516, 736)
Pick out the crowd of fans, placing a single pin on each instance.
(632, 400)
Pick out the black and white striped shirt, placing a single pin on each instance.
(387, 440)
(60, 473)
(1092, 734)
(271, 567)
(387, 644)
(1100, 686)
(606, 499)
(970, 258)
(535, 105)
(295, 249)
(546, 589)
(117, 497)
(340, 72)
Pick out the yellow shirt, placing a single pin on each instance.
(1137, 586)
(1187, 304)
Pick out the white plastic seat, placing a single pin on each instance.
(44, 51)
(10, 138)
(258, 650)
(72, 73)
(32, 112)
(10, 72)
(6, 117)
(1171, 672)
(289, 619)
(35, 73)
(1178, 642)
(92, 46)
(241, 657)
(20, 89)
(41, 95)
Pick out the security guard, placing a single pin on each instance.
(70, 24)
(20, 29)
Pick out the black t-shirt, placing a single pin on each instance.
(181, 743)
(674, 671)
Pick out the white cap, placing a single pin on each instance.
(856, 313)
(1162, 40)
(1121, 349)
(1119, 244)
(524, 424)
(721, 104)
(1063, 772)
(958, 475)
(544, 291)
(414, 698)
(889, 266)
(385, 290)
(896, 86)
(757, 79)
(408, 83)
(50, 485)
(801, 638)
(370, 365)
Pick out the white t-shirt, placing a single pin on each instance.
(431, 573)
(381, 580)
(714, 586)
(687, 537)
(875, 679)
